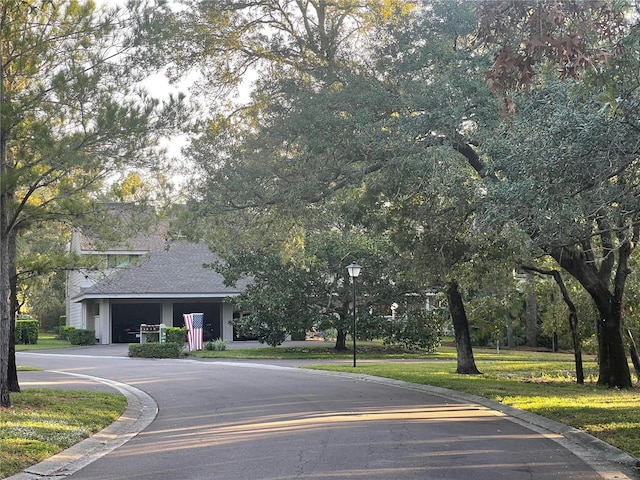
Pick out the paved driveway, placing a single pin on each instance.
(233, 421)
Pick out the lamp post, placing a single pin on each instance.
(354, 271)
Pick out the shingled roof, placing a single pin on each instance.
(178, 271)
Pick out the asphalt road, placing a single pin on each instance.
(247, 421)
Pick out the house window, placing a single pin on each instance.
(121, 261)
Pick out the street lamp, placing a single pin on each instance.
(354, 271)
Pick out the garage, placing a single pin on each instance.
(212, 321)
(127, 317)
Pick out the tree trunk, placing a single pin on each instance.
(466, 362)
(613, 365)
(5, 298)
(341, 341)
(5, 284)
(531, 307)
(577, 346)
(12, 368)
(511, 341)
(633, 353)
(12, 373)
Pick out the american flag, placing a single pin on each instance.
(194, 322)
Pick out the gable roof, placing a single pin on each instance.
(177, 271)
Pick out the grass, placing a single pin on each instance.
(43, 422)
(46, 341)
(319, 351)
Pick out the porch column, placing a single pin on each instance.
(227, 315)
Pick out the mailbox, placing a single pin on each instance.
(146, 329)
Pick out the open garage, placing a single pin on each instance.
(127, 317)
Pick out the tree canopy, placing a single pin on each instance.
(413, 119)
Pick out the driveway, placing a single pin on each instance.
(248, 421)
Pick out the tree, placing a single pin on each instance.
(70, 115)
(570, 184)
(304, 283)
(41, 266)
(229, 40)
(306, 139)
(277, 299)
(311, 137)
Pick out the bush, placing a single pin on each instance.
(216, 345)
(155, 350)
(27, 331)
(176, 335)
(81, 336)
(62, 332)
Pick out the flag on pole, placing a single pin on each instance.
(194, 324)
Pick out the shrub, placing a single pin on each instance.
(176, 335)
(63, 332)
(216, 345)
(155, 350)
(27, 331)
(80, 336)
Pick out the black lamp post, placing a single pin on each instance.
(354, 271)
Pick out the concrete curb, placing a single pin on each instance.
(140, 412)
(609, 462)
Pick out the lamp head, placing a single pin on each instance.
(354, 270)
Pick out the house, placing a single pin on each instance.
(147, 279)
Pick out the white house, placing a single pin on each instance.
(148, 280)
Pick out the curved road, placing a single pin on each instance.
(235, 421)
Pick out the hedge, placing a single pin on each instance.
(30, 329)
(176, 335)
(63, 332)
(155, 350)
(79, 336)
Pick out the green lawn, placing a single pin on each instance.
(43, 422)
(46, 341)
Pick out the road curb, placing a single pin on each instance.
(609, 462)
(141, 410)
